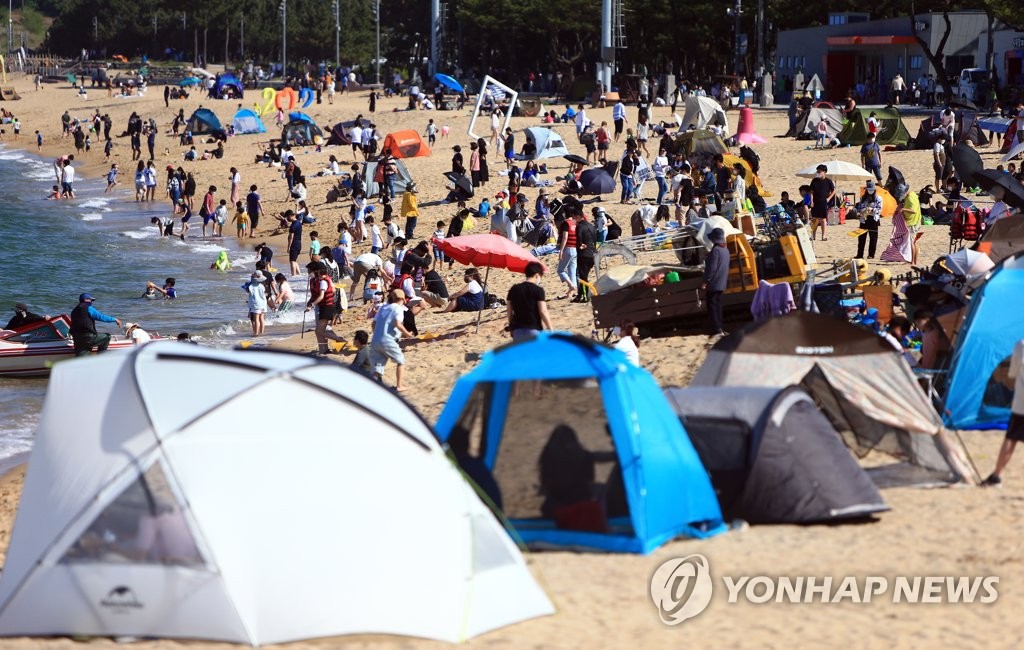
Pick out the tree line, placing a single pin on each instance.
(694, 38)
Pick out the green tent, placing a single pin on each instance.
(698, 141)
(892, 132)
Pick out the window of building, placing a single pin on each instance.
(899, 63)
(915, 62)
(803, 62)
(782, 62)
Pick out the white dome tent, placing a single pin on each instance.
(216, 514)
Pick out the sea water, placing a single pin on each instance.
(104, 244)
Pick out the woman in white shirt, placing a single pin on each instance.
(469, 297)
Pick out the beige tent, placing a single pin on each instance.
(860, 381)
(704, 111)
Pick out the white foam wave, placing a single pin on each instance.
(206, 248)
(91, 216)
(96, 203)
(12, 155)
(40, 173)
(140, 234)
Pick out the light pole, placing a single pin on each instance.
(376, 15)
(284, 39)
(737, 12)
(10, 25)
(241, 38)
(337, 32)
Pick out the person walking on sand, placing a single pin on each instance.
(387, 330)
(716, 276)
(322, 296)
(83, 327)
(823, 191)
(1015, 429)
(527, 307)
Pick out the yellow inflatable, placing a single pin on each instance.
(221, 263)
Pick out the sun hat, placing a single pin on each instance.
(870, 185)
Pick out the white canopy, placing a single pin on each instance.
(838, 170)
(253, 497)
(702, 111)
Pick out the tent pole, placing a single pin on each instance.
(480, 313)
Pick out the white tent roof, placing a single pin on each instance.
(548, 142)
(702, 111)
(215, 516)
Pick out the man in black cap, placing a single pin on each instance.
(22, 316)
(83, 327)
(716, 277)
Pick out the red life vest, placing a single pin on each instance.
(314, 290)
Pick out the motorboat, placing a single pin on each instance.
(32, 349)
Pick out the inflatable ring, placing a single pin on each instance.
(268, 99)
(306, 97)
(287, 96)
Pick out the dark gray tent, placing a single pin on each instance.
(807, 123)
(773, 456)
(402, 178)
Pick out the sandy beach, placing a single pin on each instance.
(602, 599)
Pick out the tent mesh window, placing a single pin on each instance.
(556, 459)
(143, 525)
(999, 389)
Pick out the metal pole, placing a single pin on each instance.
(377, 12)
(435, 24)
(337, 32)
(241, 39)
(760, 37)
(284, 39)
(739, 9)
(10, 25)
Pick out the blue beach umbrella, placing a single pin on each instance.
(450, 82)
(189, 81)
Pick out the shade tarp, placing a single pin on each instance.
(154, 518)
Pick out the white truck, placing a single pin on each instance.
(973, 84)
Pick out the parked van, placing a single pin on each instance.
(973, 84)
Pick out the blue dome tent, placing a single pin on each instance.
(228, 82)
(979, 389)
(204, 121)
(247, 121)
(578, 448)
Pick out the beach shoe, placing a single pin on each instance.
(992, 481)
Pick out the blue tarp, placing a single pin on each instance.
(247, 121)
(298, 116)
(975, 399)
(666, 486)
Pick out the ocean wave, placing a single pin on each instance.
(96, 203)
(91, 216)
(11, 155)
(148, 233)
(206, 248)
